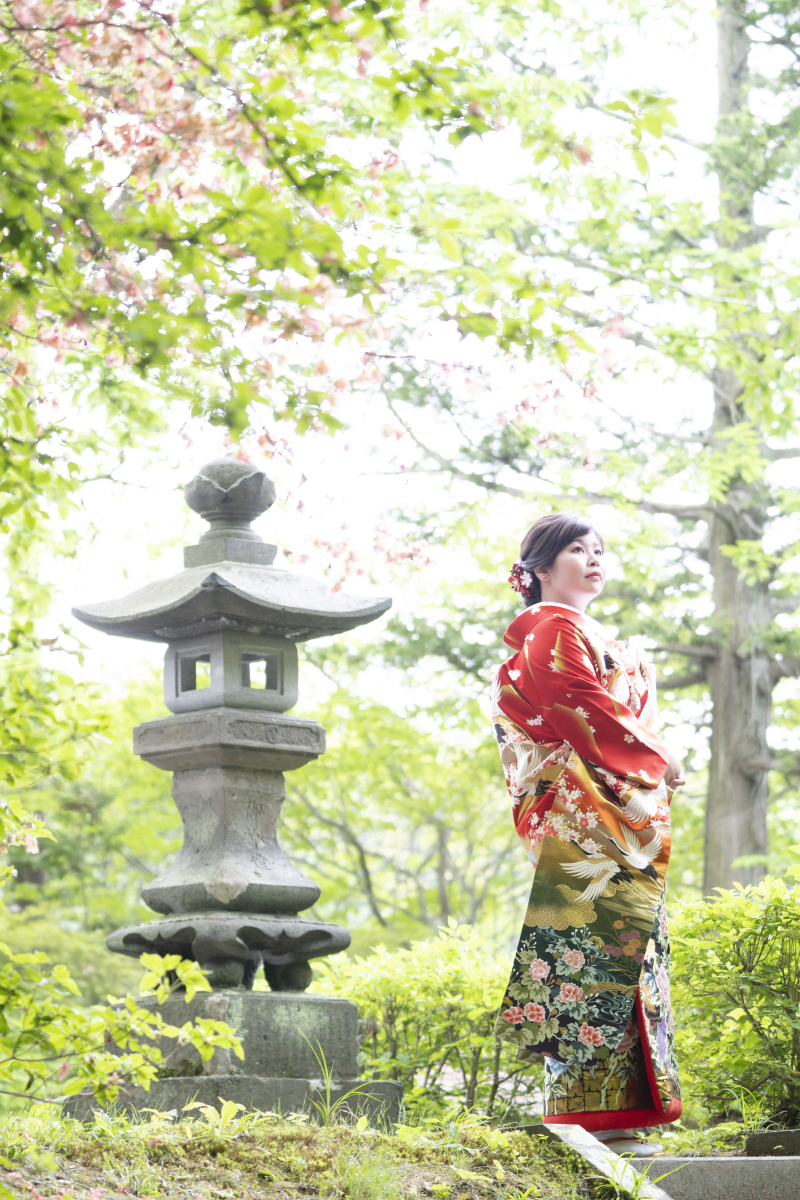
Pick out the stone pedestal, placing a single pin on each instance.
(280, 1071)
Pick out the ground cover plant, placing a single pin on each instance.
(230, 1153)
(725, 1140)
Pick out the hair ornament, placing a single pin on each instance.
(520, 579)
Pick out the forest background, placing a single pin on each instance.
(441, 267)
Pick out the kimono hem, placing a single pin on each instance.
(574, 716)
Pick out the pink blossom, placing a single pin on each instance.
(590, 1036)
(662, 983)
(570, 992)
(574, 959)
(662, 920)
(539, 969)
(31, 843)
(535, 1012)
(514, 1016)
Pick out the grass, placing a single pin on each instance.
(724, 1140)
(262, 1156)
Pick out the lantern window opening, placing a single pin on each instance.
(193, 672)
(264, 671)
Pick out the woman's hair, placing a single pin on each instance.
(541, 546)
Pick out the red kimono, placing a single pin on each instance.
(573, 713)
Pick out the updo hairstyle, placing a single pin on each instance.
(541, 546)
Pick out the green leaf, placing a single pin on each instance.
(450, 247)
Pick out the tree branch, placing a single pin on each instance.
(668, 133)
(682, 681)
(688, 512)
(691, 651)
(353, 841)
(787, 667)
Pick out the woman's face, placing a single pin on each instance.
(577, 575)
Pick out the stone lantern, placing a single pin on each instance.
(231, 900)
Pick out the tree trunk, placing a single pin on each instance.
(740, 678)
(740, 682)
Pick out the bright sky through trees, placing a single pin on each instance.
(135, 523)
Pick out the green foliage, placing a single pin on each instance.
(328, 1111)
(664, 288)
(264, 192)
(46, 726)
(113, 825)
(47, 1045)
(427, 1019)
(97, 972)
(736, 993)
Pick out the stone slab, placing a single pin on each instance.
(229, 737)
(378, 1100)
(280, 1032)
(777, 1142)
(726, 1178)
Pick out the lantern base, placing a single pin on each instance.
(289, 1043)
(232, 946)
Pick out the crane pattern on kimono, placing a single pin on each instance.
(603, 870)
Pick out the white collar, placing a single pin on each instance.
(555, 604)
(598, 628)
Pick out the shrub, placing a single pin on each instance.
(427, 1018)
(736, 993)
(48, 1046)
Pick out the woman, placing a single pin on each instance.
(591, 783)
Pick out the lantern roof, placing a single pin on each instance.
(229, 582)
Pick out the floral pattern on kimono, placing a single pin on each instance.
(573, 712)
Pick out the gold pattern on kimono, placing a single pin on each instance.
(561, 916)
(609, 985)
(613, 1084)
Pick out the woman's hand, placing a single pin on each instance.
(674, 776)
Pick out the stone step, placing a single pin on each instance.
(724, 1178)
(378, 1100)
(784, 1142)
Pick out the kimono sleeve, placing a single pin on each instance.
(557, 666)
